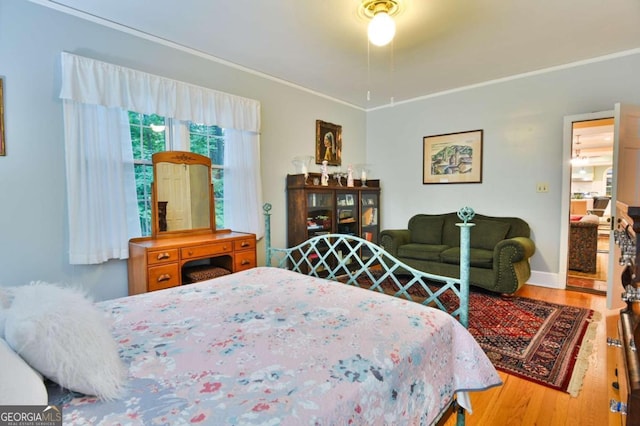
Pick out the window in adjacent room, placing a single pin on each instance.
(608, 179)
(153, 133)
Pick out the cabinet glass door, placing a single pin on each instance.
(347, 212)
(369, 217)
(319, 213)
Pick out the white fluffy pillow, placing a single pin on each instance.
(19, 383)
(60, 333)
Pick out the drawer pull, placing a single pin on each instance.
(190, 253)
(617, 407)
(245, 262)
(162, 256)
(614, 342)
(245, 244)
(164, 277)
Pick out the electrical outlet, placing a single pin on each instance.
(542, 187)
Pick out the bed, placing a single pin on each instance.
(271, 345)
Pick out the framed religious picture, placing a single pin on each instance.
(328, 143)
(452, 158)
(2, 141)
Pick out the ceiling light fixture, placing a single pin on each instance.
(577, 160)
(382, 27)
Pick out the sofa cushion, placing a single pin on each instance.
(421, 251)
(426, 229)
(487, 233)
(479, 258)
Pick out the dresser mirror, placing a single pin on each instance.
(182, 194)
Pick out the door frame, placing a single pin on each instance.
(567, 143)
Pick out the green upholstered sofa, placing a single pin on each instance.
(500, 249)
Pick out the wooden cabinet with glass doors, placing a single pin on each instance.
(337, 209)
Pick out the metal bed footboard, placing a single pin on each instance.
(347, 258)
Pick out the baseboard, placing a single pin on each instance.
(546, 279)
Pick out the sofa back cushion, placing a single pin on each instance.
(426, 229)
(451, 232)
(516, 227)
(487, 233)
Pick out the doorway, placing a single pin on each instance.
(590, 204)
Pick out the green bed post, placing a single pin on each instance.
(465, 214)
(267, 232)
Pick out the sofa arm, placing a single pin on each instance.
(391, 239)
(515, 249)
(511, 263)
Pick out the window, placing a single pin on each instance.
(608, 181)
(153, 133)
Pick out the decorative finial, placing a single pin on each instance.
(266, 207)
(466, 214)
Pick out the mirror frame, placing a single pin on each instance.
(179, 157)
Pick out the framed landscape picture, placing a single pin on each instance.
(328, 143)
(452, 158)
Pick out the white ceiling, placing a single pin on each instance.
(440, 45)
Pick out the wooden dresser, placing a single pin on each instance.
(157, 263)
(627, 237)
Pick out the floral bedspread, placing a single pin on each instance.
(269, 346)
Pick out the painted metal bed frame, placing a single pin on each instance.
(339, 257)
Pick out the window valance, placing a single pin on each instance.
(94, 82)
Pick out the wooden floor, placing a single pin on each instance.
(520, 402)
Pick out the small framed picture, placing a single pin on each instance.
(349, 199)
(452, 158)
(328, 143)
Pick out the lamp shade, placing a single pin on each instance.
(382, 28)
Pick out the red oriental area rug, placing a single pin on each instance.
(543, 342)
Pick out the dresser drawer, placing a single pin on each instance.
(244, 244)
(164, 276)
(244, 260)
(197, 252)
(162, 256)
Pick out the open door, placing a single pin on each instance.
(626, 185)
(596, 133)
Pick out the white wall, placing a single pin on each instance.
(33, 219)
(522, 121)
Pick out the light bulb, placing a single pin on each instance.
(382, 28)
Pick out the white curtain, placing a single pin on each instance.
(242, 187)
(93, 82)
(87, 82)
(101, 191)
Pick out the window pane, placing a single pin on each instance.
(217, 174)
(144, 175)
(209, 141)
(145, 142)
